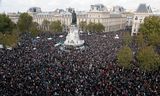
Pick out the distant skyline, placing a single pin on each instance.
(51, 5)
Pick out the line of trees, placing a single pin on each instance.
(148, 40)
(91, 27)
(54, 26)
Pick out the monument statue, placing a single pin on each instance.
(74, 18)
(72, 38)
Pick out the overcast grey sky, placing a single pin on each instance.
(49, 5)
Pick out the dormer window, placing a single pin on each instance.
(140, 20)
(34, 10)
(136, 18)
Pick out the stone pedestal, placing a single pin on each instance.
(72, 39)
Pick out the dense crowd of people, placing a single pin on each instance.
(37, 68)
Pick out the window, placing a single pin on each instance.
(134, 34)
(140, 20)
(97, 8)
(34, 9)
(136, 18)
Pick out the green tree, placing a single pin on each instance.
(95, 27)
(125, 57)
(127, 39)
(6, 25)
(24, 22)
(46, 25)
(151, 29)
(99, 27)
(140, 41)
(9, 39)
(1, 38)
(34, 29)
(83, 25)
(56, 26)
(8, 34)
(154, 39)
(90, 27)
(148, 59)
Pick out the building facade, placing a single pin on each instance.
(14, 17)
(139, 16)
(98, 13)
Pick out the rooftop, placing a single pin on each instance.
(143, 8)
